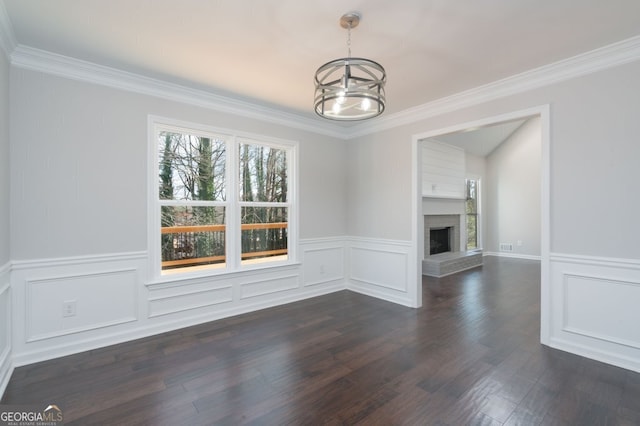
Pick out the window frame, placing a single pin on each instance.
(232, 204)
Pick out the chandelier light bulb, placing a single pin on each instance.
(365, 104)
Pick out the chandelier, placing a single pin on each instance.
(349, 89)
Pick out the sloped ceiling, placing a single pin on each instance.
(482, 141)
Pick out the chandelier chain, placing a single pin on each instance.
(349, 40)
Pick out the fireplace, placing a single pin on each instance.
(440, 240)
(444, 252)
(441, 234)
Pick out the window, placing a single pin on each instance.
(472, 213)
(220, 201)
(263, 201)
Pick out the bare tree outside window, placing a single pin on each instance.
(263, 190)
(195, 199)
(192, 173)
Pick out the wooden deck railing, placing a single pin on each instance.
(189, 261)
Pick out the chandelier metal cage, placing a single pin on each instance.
(350, 89)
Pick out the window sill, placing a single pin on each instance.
(177, 279)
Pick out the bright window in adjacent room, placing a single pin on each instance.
(221, 201)
(472, 213)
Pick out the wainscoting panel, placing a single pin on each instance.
(115, 302)
(100, 299)
(6, 366)
(103, 289)
(192, 299)
(262, 287)
(381, 268)
(594, 308)
(323, 261)
(615, 317)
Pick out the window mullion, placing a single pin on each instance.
(233, 214)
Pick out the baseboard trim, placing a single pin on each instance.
(606, 357)
(512, 255)
(6, 370)
(382, 295)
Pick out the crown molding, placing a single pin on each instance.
(33, 59)
(63, 66)
(599, 59)
(7, 38)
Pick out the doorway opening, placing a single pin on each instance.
(491, 239)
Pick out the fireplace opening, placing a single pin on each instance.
(439, 240)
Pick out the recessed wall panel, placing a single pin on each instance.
(602, 308)
(99, 300)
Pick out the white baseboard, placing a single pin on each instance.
(511, 255)
(602, 355)
(6, 370)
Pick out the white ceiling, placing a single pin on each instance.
(267, 51)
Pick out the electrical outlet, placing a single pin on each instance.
(506, 247)
(69, 308)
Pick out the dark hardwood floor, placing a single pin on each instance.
(471, 355)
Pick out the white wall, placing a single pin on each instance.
(80, 155)
(79, 208)
(4, 159)
(593, 177)
(593, 147)
(512, 193)
(475, 166)
(380, 257)
(5, 299)
(378, 187)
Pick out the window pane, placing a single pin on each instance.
(191, 167)
(264, 233)
(192, 236)
(263, 173)
(472, 196)
(472, 231)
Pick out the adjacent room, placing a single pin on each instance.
(281, 212)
